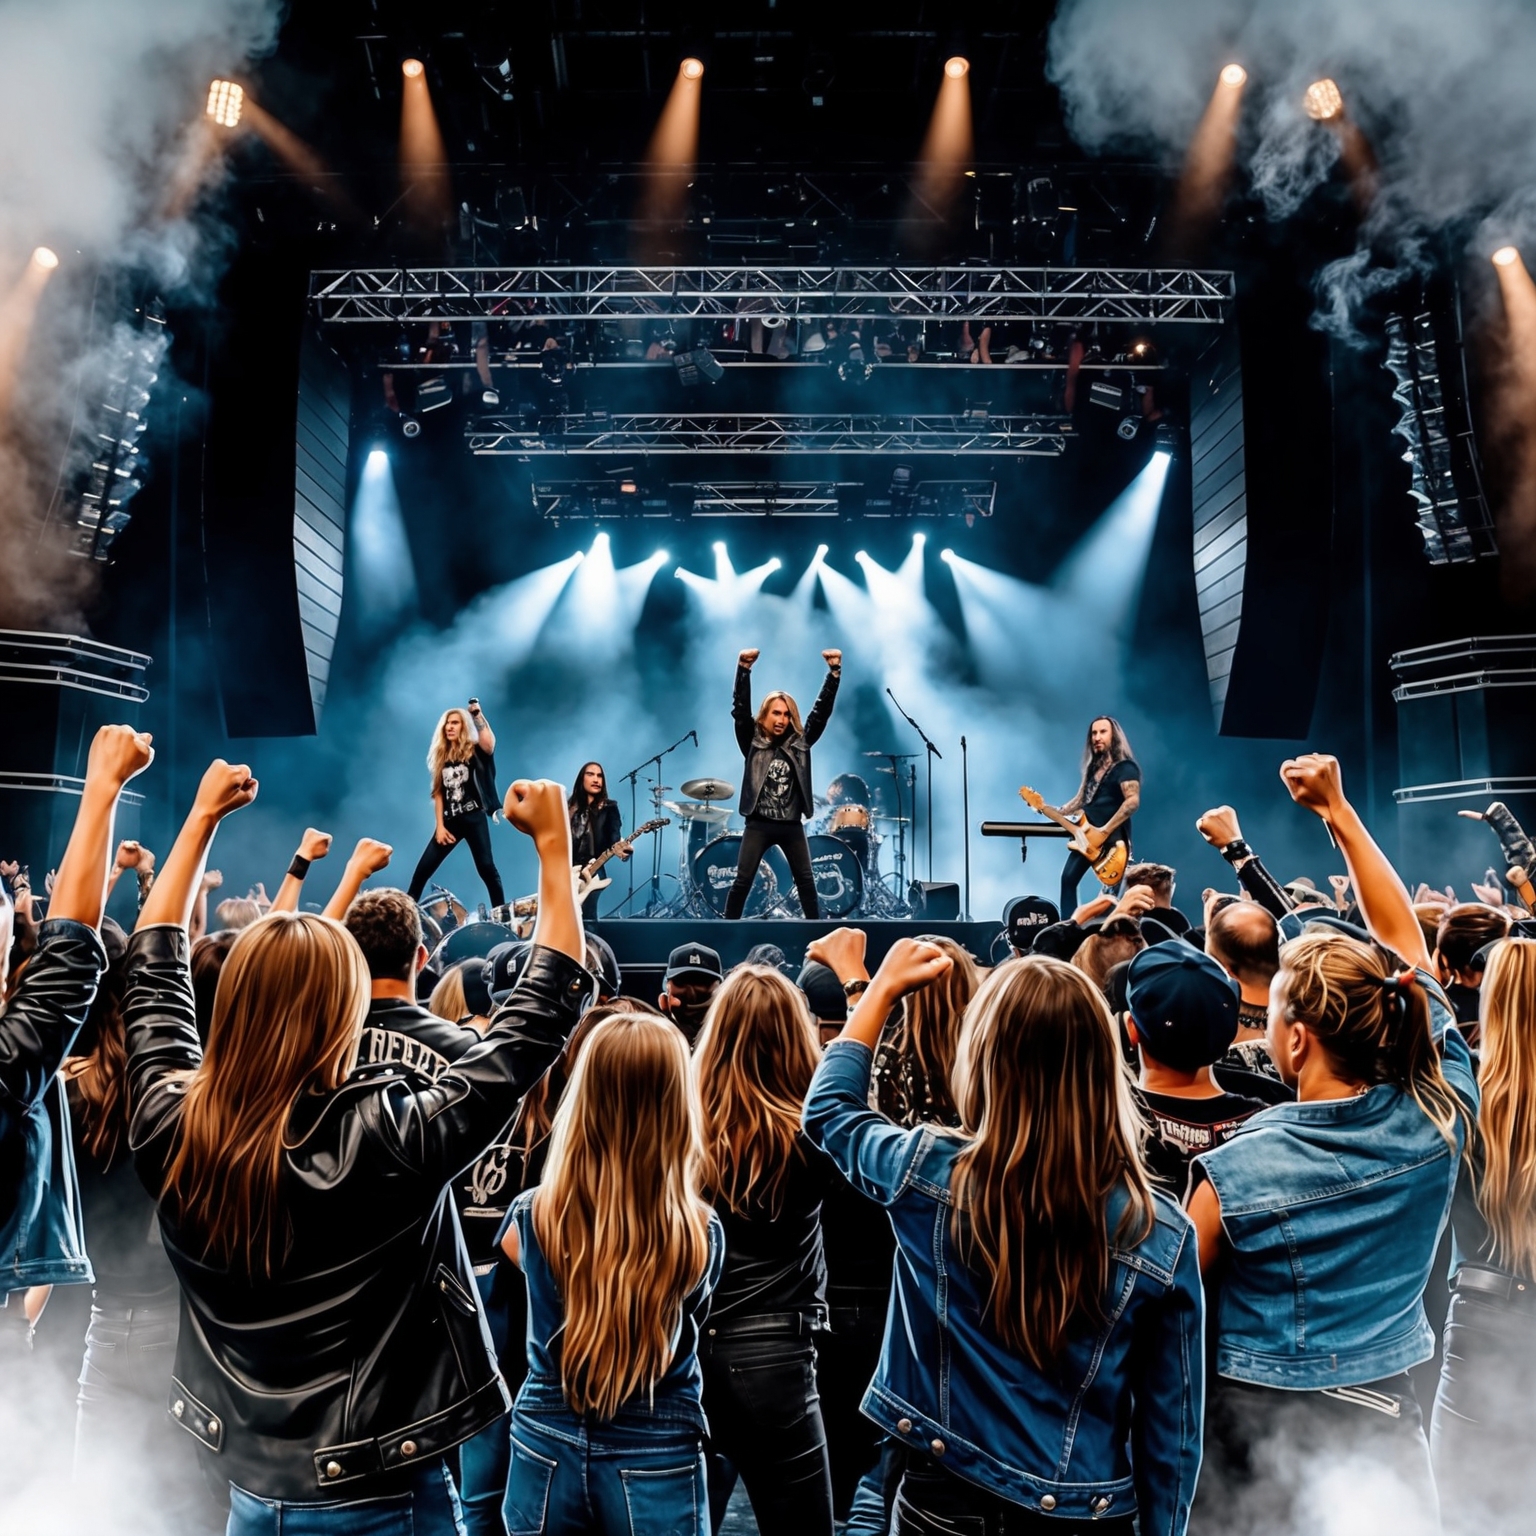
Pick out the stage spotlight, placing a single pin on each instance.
(1323, 101)
(226, 100)
(821, 551)
(692, 69)
(661, 557)
(696, 364)
(861, 557)
(1506, 256)
(45, 259)
(775, 564)
(1166, 439)
(956, 67)
(412, 69)
(719, 546)
(1234, 75)
(409, 425)
(946, 555)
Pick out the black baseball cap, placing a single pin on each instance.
(1025, 916)
(823, 991)
(694, 960)
(1183, 1004)
(503, 966)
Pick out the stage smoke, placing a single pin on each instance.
(424, 183)
(1208, 167)
(1513, 410)
(671, 156)
(946, 153)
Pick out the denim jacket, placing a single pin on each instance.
(1115, 1430)
(42, 1240)
(1332, 1211)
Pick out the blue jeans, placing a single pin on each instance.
(428, 1507)
(617, 1479)
(483, 1460)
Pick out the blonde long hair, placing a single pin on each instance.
(795, 727)
(287, 1015)
(443, 751)
(1046, 1103)
(925, 1039)
(618, 1215)
(753, 1062)
(1507, 1077)
(1373, 1029)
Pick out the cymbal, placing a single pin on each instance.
(659, 790)
(696, 810)
(708, 789)
(902, 755)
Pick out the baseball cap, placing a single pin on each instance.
(1183, 1004)
(604, 964)
(694, 960)
(503, 966)
(1025, 916)
(477, 987)
(823, 991)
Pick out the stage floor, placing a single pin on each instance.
(645, 941)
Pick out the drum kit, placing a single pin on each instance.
(845, 846)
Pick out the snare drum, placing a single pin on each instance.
(857, 818)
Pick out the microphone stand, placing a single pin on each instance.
(933, 752)
(965, 811)
(634, 818)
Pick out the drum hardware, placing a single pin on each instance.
(696, 810)
(444, 908)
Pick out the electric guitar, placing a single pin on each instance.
(1107, 859)
(584, 877)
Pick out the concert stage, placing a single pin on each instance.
(641, 943)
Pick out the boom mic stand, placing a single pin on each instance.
(933, 752)
(633, 776)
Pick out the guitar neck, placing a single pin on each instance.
(1059, 817)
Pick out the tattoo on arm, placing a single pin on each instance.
(1130, 799)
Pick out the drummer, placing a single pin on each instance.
(850, 814)
(849, 789)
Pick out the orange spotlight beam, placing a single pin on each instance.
(673, 152)
(947, 147)
(1208, 164)
(1513, 408)
(425, 189)
(18, 310)
(297, 156)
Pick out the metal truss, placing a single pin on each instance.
(1121, 295)
(773, 432)
(604, 500)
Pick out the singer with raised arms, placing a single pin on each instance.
(776, 793)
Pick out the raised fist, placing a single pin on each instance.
(225, 788)
(746, 658)
(118, 752)
(833, 659)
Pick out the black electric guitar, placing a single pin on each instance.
(584, 877)
(1106, 858)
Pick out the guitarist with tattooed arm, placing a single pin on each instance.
(1100, 812)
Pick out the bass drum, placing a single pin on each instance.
(839, 876)
(713, 869)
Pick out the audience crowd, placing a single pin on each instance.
(1158, 1225)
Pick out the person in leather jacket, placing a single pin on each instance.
(332, 1345)
(776, 786)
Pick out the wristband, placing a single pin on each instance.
(300, 866)
(1237, 849)
(853, 989)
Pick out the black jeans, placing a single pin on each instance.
(758, 838)
(933, 1502)
(765, 1426)
(848, 1355)
(1274, 1458)
(474, 829)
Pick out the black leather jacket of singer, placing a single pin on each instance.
(368, 1352)
(757, 747)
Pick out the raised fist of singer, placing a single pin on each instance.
(833, 659)
(746, 658)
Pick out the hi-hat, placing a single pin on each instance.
(885, 754)
(708, 789)
(696, 810)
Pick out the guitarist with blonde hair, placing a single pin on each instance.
(1106, 800)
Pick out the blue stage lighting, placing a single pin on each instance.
(946, 554)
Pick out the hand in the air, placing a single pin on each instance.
(370, 855)
(212, 879)
(841, 951)
(1219, 826)
(314, 844)
(118, 753)
(537, 807)
(833, 659)
(746, 658)
(127, 855)
(224, 789)
(910, 964)
(1314, 780)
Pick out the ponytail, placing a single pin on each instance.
(1373, 1022)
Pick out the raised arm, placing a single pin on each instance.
(58, 986)
(485, 737)
(821, 710)
(741, 701)
(312, 846)
(1314, 781)
(368, 858)
(1219, 827)
(225, 787)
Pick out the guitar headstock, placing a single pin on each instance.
(1032, 798)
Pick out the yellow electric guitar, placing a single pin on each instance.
(1106, 858)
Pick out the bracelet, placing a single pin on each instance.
(856, 988)
(1237, 849)
(300, 866)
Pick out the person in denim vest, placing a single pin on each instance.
(1042, 1357)
(753, 1064)
(1484, 1421)
(41, 1242)
(1323, 1216)
(621, 1256)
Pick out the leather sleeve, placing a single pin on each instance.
(741, 709)
(442, 1129)
(821, 710)
(1263, 887)
(160, 1021)
(44, 1014)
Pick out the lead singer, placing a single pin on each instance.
(776, 792)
